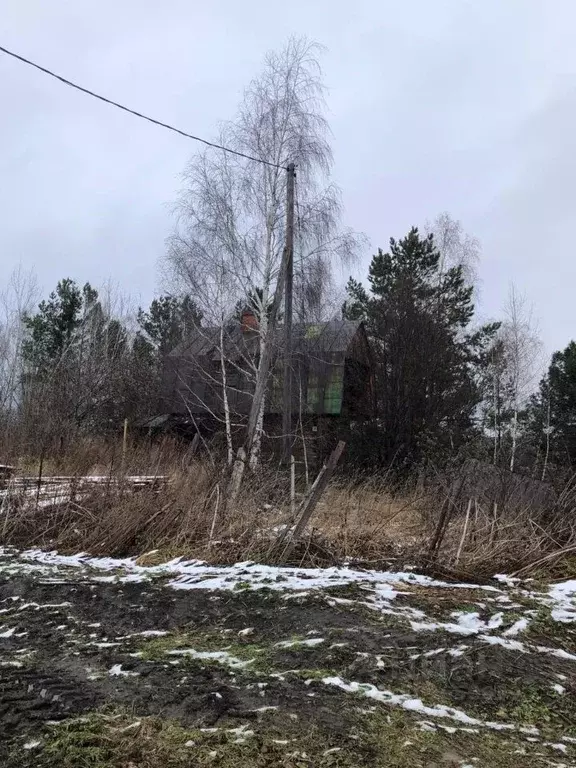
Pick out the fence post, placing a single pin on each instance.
(310, 501)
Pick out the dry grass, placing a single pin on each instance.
(186, 514)
(365, 521)
(357, 519)
(96, 456)
(497, 528)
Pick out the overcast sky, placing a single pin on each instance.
(466, 106)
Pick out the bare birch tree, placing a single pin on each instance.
(456, 247)
(16, 300)
(231, 229)
(522, 350)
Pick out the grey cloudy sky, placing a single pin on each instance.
(467, 106)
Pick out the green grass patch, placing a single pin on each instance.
(543, 629)
(380, 739)
(160, 648)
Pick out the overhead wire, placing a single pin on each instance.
(138, 114)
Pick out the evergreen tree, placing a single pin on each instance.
(50, 330)
(49, 354)
(552, 411)
(427, 360)
(168, 321)
(79, 372)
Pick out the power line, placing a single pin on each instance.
(137, 114)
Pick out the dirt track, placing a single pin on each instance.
(274, 664)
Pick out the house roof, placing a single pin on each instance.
(317, 339)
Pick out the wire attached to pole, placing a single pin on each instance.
(137, 114)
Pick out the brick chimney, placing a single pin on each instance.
(248, 321)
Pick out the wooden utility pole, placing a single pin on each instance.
(289, 281)
(266, 359)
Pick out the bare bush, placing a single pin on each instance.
(486, 518)
(161, 497)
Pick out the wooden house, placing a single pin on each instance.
(332, 377)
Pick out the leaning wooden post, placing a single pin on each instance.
(39, 482)
(309, 503)
(464, 532)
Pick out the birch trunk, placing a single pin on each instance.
(514, 438)
(225, 403)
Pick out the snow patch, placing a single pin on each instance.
(563, 596)
(294, 643)
(117, 671)
(32, 744)
(195, 574)
(516, 628)
(467, 623)
(414, 705)
(222, 657)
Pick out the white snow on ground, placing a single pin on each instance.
(295, 643)
(380, 588)
(145, 633)
(117, 671)
(37, 606)
(32, 744)
(467, 623)
(408, 702)
(379, 591)
(195, 574)
(516, 645)
(564, 595)
(222, 657)
(559, 747)
(509, 581)
(510, 645)
(518, 626)
(560, 598)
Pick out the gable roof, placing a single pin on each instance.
(316, 339)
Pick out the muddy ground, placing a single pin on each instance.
(111, 668)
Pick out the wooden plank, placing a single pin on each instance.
(308, 505)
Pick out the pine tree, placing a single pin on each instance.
(426, 358)
(77, 365)
(50, 330)
(168, 321)
(552, 411)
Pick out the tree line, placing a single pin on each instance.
(77, 365)
(446, 387)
